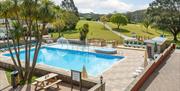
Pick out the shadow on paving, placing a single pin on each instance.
(164, 68)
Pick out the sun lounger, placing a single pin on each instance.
(139, 71)
(140, 68)
(135, 74)
(125, 44)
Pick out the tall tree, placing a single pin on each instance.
(59, 26)
(119, 19)
(147, 23)
(69, 5)
(70, 19)
(166, 14)
(104, 19)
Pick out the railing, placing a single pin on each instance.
(139, 81)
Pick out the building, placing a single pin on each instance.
(156, 46)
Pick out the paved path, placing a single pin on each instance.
(115, 32)
(120, 75)
(166, 77)
(3, 80)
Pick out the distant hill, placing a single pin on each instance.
(90, 16)
(133, 17)
(136, 16)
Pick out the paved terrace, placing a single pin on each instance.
(62, 87)
(5, 86)
(3, 80)
(120, 75)
(166, 77)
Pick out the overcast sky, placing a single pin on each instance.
(109, 6)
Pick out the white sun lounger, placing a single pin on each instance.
(139, 71)
(140, 68)
(135, 74)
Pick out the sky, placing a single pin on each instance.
(109, 6)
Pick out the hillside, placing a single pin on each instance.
(96, 31)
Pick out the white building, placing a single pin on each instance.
(161, 46)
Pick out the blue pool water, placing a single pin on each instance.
(95, 63)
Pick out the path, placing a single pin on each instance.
(166, 77)
(115, 32)
(3, 80)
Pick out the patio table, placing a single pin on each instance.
(47, 81)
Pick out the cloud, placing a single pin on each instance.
(104, 6)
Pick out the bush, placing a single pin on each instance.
(177, 47)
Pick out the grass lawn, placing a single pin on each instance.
(141, 31)
(8, 75)
(138, 29)
(95, 31)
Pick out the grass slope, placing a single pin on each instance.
(95, 31)
(136, 28)
(141, 31)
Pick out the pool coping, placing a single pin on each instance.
(122, 58)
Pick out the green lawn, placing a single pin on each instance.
(138, 29)
(96, 31)
(141, 31)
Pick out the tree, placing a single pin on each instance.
(136, 16)
(59, 26)
(166, 14)
(70, 19)
(69, 5)
(83, 32)
(119, 19)
(29, 22)
(147, 23)
(103, 19)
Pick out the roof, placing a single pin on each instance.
(158, 40)
(1, 20)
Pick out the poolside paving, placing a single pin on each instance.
(62, 87)
(166, 77)
(120, 75)
(3, 80)
(5, 86)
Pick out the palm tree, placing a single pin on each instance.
(83, 33)
(46, 15)
(26, 26)
(6, 8)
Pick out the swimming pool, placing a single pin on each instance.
(66, 59)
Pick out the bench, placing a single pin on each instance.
(56, 82)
